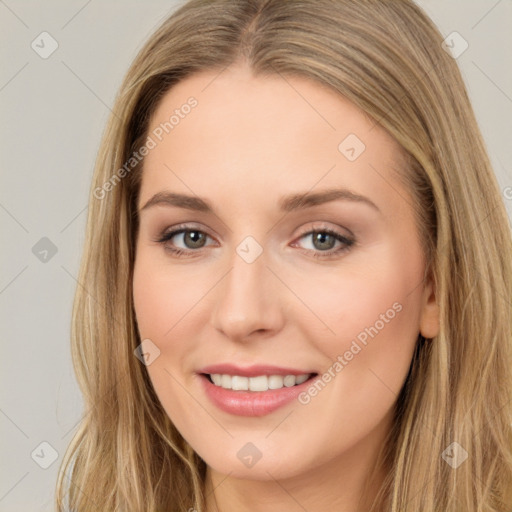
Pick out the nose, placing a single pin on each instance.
(248, 301)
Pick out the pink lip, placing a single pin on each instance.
(252, 403)
(251, 371)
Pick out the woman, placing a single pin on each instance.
(296, 284)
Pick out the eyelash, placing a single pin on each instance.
(182, 253)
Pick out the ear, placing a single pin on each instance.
(429, 320)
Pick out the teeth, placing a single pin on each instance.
(226, 381)
(275, 382)
(289, 381)
(239, 383)
(301, 378)
(259, 383)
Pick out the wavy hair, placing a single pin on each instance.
(385, 56)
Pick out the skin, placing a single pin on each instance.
(249, 142)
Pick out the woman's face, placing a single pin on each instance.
(271, 283)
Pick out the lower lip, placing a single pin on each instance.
(252, 403)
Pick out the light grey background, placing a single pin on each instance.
(53, 112)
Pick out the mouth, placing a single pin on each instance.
(256, 395)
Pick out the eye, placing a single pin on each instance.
(323, 241)
(192, 239)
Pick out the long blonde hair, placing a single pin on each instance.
(385, 56)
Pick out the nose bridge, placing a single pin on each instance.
(248, 299)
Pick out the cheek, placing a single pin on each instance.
(163, 296)
(368, 317)
(163, 301)
(374, 319)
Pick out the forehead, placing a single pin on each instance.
(260, 137)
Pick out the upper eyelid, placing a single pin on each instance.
(191, 227)
(185, 227)
(178, 230)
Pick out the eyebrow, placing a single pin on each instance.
(298, 201)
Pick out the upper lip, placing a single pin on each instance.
(251, 371)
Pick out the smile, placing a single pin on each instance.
(253, 396)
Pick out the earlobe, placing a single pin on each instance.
(429, 321)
